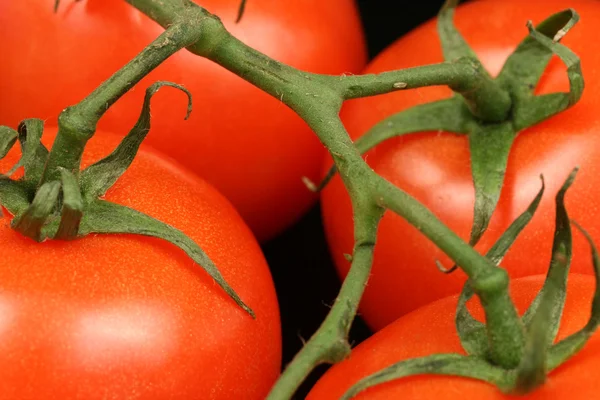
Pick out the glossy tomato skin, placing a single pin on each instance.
(124, 316)
(434, 167)
(250, 146)
(431, 330)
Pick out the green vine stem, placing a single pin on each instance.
(77, 123)
(318, 100)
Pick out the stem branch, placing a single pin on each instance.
(77, 123)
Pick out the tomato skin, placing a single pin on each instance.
(431, 330)
(125, 316)
(434, 167)
(250, 146)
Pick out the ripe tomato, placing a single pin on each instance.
(430, 330)
(124, 316)
(250, 146)
(434, 167)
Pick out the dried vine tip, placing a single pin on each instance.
(443, 269)
(41, 212)
(540, 323)
(330, 174)
(309, 184)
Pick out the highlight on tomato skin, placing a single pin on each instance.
(434, 166)
(250, 146)
(431, 329)
(126, 316)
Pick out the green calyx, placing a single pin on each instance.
(540, 354)
(70, 206)
(491, 113)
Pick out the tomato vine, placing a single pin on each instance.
(492, 111)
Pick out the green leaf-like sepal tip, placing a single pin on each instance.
(8, 138)
(472, 333)
(566, 348)
(541, 320)
(70, 207)
(33, 153)
(101, 176)
(450, 115)
(439, 364)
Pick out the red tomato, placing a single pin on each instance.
(434, 167)
(430, 330)
(125, 316)
(250, 146)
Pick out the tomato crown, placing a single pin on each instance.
(493, 115)
(64, 203)
(538, 355)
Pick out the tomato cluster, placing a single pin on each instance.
(131, 316)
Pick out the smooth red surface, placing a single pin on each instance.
(250, 146)
(434, 167)
(430, 330)
(130, 317)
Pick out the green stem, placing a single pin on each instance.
(505, 330)
(77, 123)
(329, 344)
(484, 97)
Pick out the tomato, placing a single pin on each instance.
(126, 316)
(250, 146)
(434, 167)
(433, 325)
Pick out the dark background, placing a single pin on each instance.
(306, 281)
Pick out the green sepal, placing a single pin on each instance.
(105, 218)
(450, 115)
(14, 196)
(453, 43)
(472, 333)
(8, 137)
(556, 278)
(489, 147)
(33, 153)
(566, 348)
(30, 222)
(438, 364)
(490, 144)
(72, 207)
(98, 178)
(542, 318)
(539, 108)
(525, 66)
